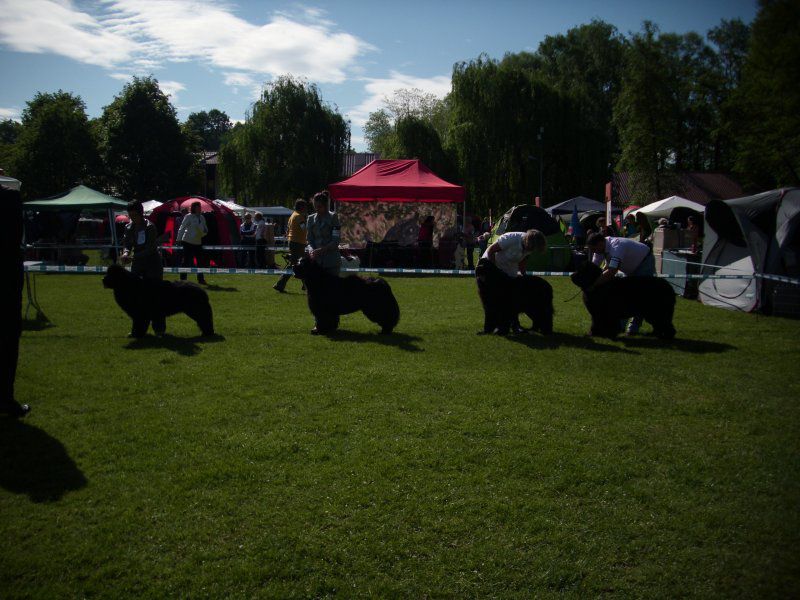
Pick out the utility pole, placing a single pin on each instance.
(541, 162)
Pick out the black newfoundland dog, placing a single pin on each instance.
(621, 298)
(504, 298)
(152, 300)
(329, 297)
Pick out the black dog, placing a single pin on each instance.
(152, 300)
(504, 298)
(330, 296)
(612, 302)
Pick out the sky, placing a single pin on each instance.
(219, 54)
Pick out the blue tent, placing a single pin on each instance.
(582, 204)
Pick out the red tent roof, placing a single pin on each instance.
(396, 181)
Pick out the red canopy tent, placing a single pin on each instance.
(387, 199)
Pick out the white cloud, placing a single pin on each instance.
(51, 26)
(378, 89)
(171, 88)
(179, 30)
(9, 113)
(140, 35)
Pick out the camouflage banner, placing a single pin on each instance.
(399, 222)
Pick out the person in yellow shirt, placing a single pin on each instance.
(296, 237)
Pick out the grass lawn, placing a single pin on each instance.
(432, 462)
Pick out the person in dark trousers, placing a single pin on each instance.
(141, 238)
(248, 234)
(193, 229)
(297, 239)
(425, 242)
(10, 300)
(261, 243)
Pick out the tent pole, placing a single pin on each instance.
(113, 227)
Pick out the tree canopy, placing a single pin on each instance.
(207, 130)
(55, 149)
(145, 152)
(291, 144)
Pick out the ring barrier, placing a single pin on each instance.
(382, 270)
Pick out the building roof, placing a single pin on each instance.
(698, 187)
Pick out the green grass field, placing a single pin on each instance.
(430, 463)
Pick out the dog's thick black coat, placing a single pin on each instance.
(330, 296)
(621, 298)
(504, 298)
(152, 300)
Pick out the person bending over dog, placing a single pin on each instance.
(630, 257)
(507, 256)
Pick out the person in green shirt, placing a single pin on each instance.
(323, 234)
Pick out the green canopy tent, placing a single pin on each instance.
(81, 198)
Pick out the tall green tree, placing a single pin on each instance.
(145, 152)
(768, 100)
(9, 132)
(418, 138)
(55, 148)
(379, 133)
(290, 145)
(208, 128)
(647, 117)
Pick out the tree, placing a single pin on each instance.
(9, 132)
(55, 148)
(768, 100)
(417, 138)
(379, 133)
(208, 128)
(145, 152)
(290, 145)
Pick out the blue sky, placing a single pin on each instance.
(211, 54)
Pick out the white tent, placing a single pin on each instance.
(150, 206)
(237, 208)
(664, 208)
(9, 182)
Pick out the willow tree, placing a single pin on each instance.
(291, 144)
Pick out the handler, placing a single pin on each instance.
(141, 237)
(323, 234)
(297, 239)
(630, 257)
(510, 251)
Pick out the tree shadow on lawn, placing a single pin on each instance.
(181, 345)
(557, 340)
(36, 464)
(402, 341)
(681, 345)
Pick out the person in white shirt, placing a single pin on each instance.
(510, 251)
(622, 255)
(191, 233)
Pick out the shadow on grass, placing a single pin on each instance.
(36, 324)
(561, 340)
(211, 287)
(36, 464)
(181, 345)
(402, 341)
(681, 345)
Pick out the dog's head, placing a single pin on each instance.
(586, 275)
(305, 268)
(115, 275)
(484, 271)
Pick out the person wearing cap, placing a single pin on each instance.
(622, 255)
(297, 239)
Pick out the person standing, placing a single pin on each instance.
(470, 238)
(191, 233)
(261, 242)
(425, 242)
(630, 257)
(141, 238)
(323, 234)
(10, 300)
(247, 233)
(297, 239)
